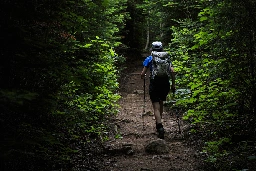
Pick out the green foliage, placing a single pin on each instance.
(214, 149)
(92, 90)
(58, 80)
(214, 59)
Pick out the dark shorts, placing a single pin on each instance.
(159, 89)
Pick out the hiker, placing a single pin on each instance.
(159, 86)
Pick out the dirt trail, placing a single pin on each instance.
(126, 152)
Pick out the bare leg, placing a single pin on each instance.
(157, 111)
(161, 108)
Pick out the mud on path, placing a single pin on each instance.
(126, 147)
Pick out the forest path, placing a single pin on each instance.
(127, 153)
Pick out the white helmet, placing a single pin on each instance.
(157, 46)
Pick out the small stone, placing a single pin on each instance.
(138, 91)
(127, 149)
(130, 152)
(148, 113)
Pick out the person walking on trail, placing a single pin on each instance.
(161, 70)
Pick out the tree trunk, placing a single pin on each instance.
(148, 34)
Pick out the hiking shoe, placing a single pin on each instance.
(160, 130)
(161, 133)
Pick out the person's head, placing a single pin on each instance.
(157, 46)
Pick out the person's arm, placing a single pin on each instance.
(173, 78)
(146, 65)
(144, 71)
